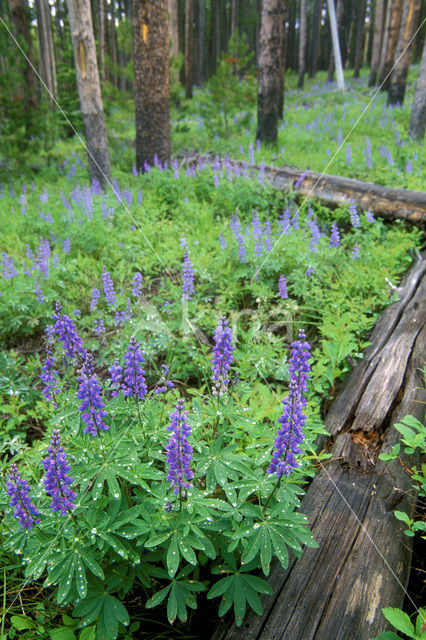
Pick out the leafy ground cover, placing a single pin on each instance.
(143, 277)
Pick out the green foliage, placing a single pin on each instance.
(401, 621)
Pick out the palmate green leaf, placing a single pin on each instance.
(158, 597)
(80, 578)
(173, 556)
(112, 612)
(91, 564)
(66, 580)
(239, 590)
(265, 551)
(156, 540)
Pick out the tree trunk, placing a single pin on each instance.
(283, 63)
(302, 43)
(173, 27)
(201, 16)
(19, 14)
(189, 46)
(336, 46)
(332, 66)
(152, 91)
(404, 51)
(215, 41)
(89, 89)
(234, 16)
(46, 51)
(393, 19)
(114, 46)
(418, 111)
(269, 69)
(316, 32)
(102, 39)
(359, 37)
(377, 41)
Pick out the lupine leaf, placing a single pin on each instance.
(91, 564)
(172, 558)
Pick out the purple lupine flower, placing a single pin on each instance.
(65, 329)
(309, 272)
(258, 145)
(95, 299)
(300, 179)
(370, 217)
(284, 222)
(133, 375)
(168, 383)
(251, 153)
(315, 235)
(355, 221)
(88, 367)
(334, 235)
(49, 376)
(236, 227)
(188, 277)
(178, 449)
(115, 372)
(257, 234)
(92, 406)
(108, 288)
(222, 356)
(137, 284)
(409, 166)
(290, 435)
(222, 241)
(368, 158)
(57, 481)
(267, 232)
(99, 327)
(44, 197)
(355, 252)
(18, 490)
(282, 287)
(348, 154)
(119, 318)
(38, 292)
(389, 158)
(8, 265)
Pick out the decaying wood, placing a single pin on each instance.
(363, 560)
(386, 202)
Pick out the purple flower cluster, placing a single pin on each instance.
(355, 252)
(282, 287)
(236, 227)
(57, 480)
(115, 372)
(137, 284)
(108, 288)
(355, 221)
(133, 375)
(96, 294)
(222, 356)
(49, 377)
(92, 406)
(8, 267)
(290, 434)
(334, 235)
(168, 384)
(18, 490)
(188, 277)
(178, 450)
(66, 332)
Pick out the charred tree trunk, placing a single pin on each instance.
(47, 53)
(89, 89)
(269, 69)
(404, 51)
(152, 91)
(377, 41)
(316, 34)
(393, 18)
(303, 34)
(418, 111)
(189, 46)
(19, 14)
(359, 38)
(173, 27)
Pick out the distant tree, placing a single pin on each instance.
(189, 46)
(173, 27)
(336, 46)
(89, 90)
(303, 36)
(404, 51)
(377, 41)
(390, 38)
(151, 81)
(418, 111)
(339, 16)
(316, 35)
(269, 66)
(46, 50)
(20, 18)
(102, 38)
(359, 38)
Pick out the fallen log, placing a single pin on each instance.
(363, 560)
(386, 202)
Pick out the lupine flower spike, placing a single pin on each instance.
(49, 376)
(92, 406)
(133, 375)
(17, 490)
(188, 278)
(222, 357)
(66, 332)
(168, 384)
(290, 434)
(178, 450)
(57, 480)
(282, 287)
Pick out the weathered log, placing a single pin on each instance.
(386, 202)
(363, 560)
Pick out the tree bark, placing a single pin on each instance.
(269, 69)
(89, 89)
(404, 51)
(336, 47)
(302, 43)
(189, 46)
(173, 27)
(46, 50)
(359, 38)
(234, 16)
(316, 33)
(377, 41)
(201, 22)
(19, 14)
(418, 111)
(102, 39)
(283, 62)
(332, 66)
(114, 46)
(151, 82)
(393, 18)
